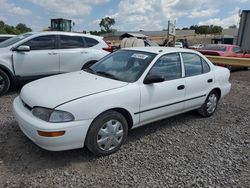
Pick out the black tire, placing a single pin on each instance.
(102, 123)
(204, 110)
(229, 67)
(4, 82)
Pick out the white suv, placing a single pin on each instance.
(34, 55)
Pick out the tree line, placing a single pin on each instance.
(106, 27)
(16, 30)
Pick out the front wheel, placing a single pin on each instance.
(107, 133)
(210, 105)
(4, 82)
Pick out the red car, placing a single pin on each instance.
(224, 50)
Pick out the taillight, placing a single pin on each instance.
(108, 49)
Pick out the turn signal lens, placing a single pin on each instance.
(51, 134)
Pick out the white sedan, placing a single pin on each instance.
(126, 89)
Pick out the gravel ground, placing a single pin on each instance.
(182, 151)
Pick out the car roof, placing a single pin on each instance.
(66, 33)
(6, 35)
(160, 50)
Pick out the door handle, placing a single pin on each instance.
(180, 87)
(52, 53)
(210, 80)
(83, 52)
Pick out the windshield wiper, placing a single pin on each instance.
(106, 74)
(88, 69)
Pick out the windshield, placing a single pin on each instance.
(14, 40)
(215, 48)
(123, 65)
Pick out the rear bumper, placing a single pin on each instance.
(75, 132)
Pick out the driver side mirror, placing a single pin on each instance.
(22, 48)
(150, 79)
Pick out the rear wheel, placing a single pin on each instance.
(4, 82)
(210, 105)
(107, 133)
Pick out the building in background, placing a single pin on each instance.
(243, 39)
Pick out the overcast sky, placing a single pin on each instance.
(130, 15)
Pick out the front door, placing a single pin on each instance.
(41, 60)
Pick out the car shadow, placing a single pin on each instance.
(22, 156)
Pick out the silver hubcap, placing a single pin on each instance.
(212, 103)
(2, 83)
(110, 135)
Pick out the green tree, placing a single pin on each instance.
(2, 27)
(22, 28)
(106, 24)
(232, 26)
(9, 29)
(206, 29)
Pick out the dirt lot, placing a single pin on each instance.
(184, 151)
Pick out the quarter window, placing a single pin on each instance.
(205, 66)
(69, 42)
(168, 67)
(47, 42)
(90, 42)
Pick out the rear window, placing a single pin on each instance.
(69, 42)
(215, 48)
(4, 38)
(90, 42)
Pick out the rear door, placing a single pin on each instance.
(41, 60)
(198, 78)
(73, 54)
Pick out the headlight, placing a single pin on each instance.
(54, 116)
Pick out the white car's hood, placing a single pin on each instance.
(53, 91)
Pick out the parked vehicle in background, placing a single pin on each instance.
(4, 37)
(178, 45)
(34, 55)
(225, 50)
(135, 42)
(197, 46)
(126, 89)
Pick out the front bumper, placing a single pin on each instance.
(75, 131)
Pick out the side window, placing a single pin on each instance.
(168, 67)
(192, 64)
(205, 66)
(237, 50)
(69, 42)
(47, 42)
(90, 42)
